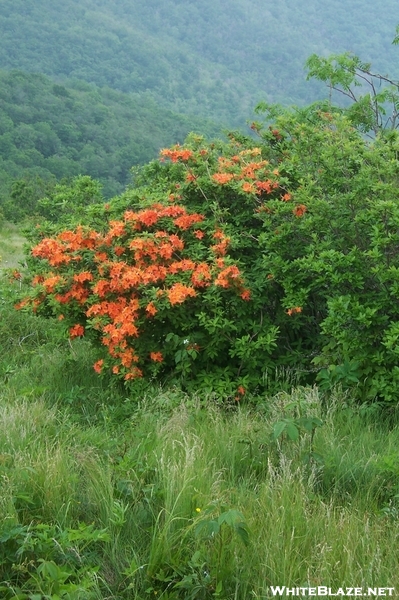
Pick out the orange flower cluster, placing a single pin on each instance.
(119, 266)
(266, 186)
(51, 282)
(151, 309)
(185, 221)
(293, 311)
(16, 275)
(179, 292)
(222, 178)
(228, 275)
(76, 331)
(299, 210)
(98, 366)
(125, 279)
(253, 176)
(241, 391)
(201, 276)
(248, 187)
(176, 153)
(220, 249)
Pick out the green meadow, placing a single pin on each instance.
(110, 494)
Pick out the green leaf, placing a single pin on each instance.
(292, 431)
(278, 429)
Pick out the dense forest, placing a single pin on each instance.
(50, 131)
(212, 57)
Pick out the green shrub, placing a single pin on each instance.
(231, 261)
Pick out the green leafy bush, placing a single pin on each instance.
(285, 252)
(42, 561)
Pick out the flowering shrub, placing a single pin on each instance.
(164, 287)
(229, 262)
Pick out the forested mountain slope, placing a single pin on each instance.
(209, 57)
(48, 129)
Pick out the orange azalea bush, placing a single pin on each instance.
(123, 283)
(229, 263)
(162, 286)
(173, 283)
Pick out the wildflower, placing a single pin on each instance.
(156, 356)
(51, 282)
(179, 292)
(98, 366)
(299, 210)
(294, 310)
(176, 153)
(151, 309)
(201, 276)
(82, 277)
(264, 186)
(240, 393)
(248, 187)
(222, 178)
(22, 303)
(76, 331)
(148, 217)
(119, 250)
(198, 510)
(117, 228)
(133, 374)
(185, 221)
(225, 277)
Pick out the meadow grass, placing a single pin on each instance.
(11, 246)
(147, 495)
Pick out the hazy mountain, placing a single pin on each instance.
(211, 57)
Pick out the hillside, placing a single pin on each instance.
(51, 130)
(210, 57)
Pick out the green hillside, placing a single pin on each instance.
(211, 57)
(50, 130)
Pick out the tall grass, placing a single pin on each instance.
(146, 478)
(11, 245)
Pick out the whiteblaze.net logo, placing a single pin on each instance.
(321, 590)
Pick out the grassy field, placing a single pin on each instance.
(11, 246)
(106, 494)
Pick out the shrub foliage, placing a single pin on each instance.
(231, 261)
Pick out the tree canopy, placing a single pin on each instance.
(209, 57)
(52, 131)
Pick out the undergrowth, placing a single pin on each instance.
(106, 495)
